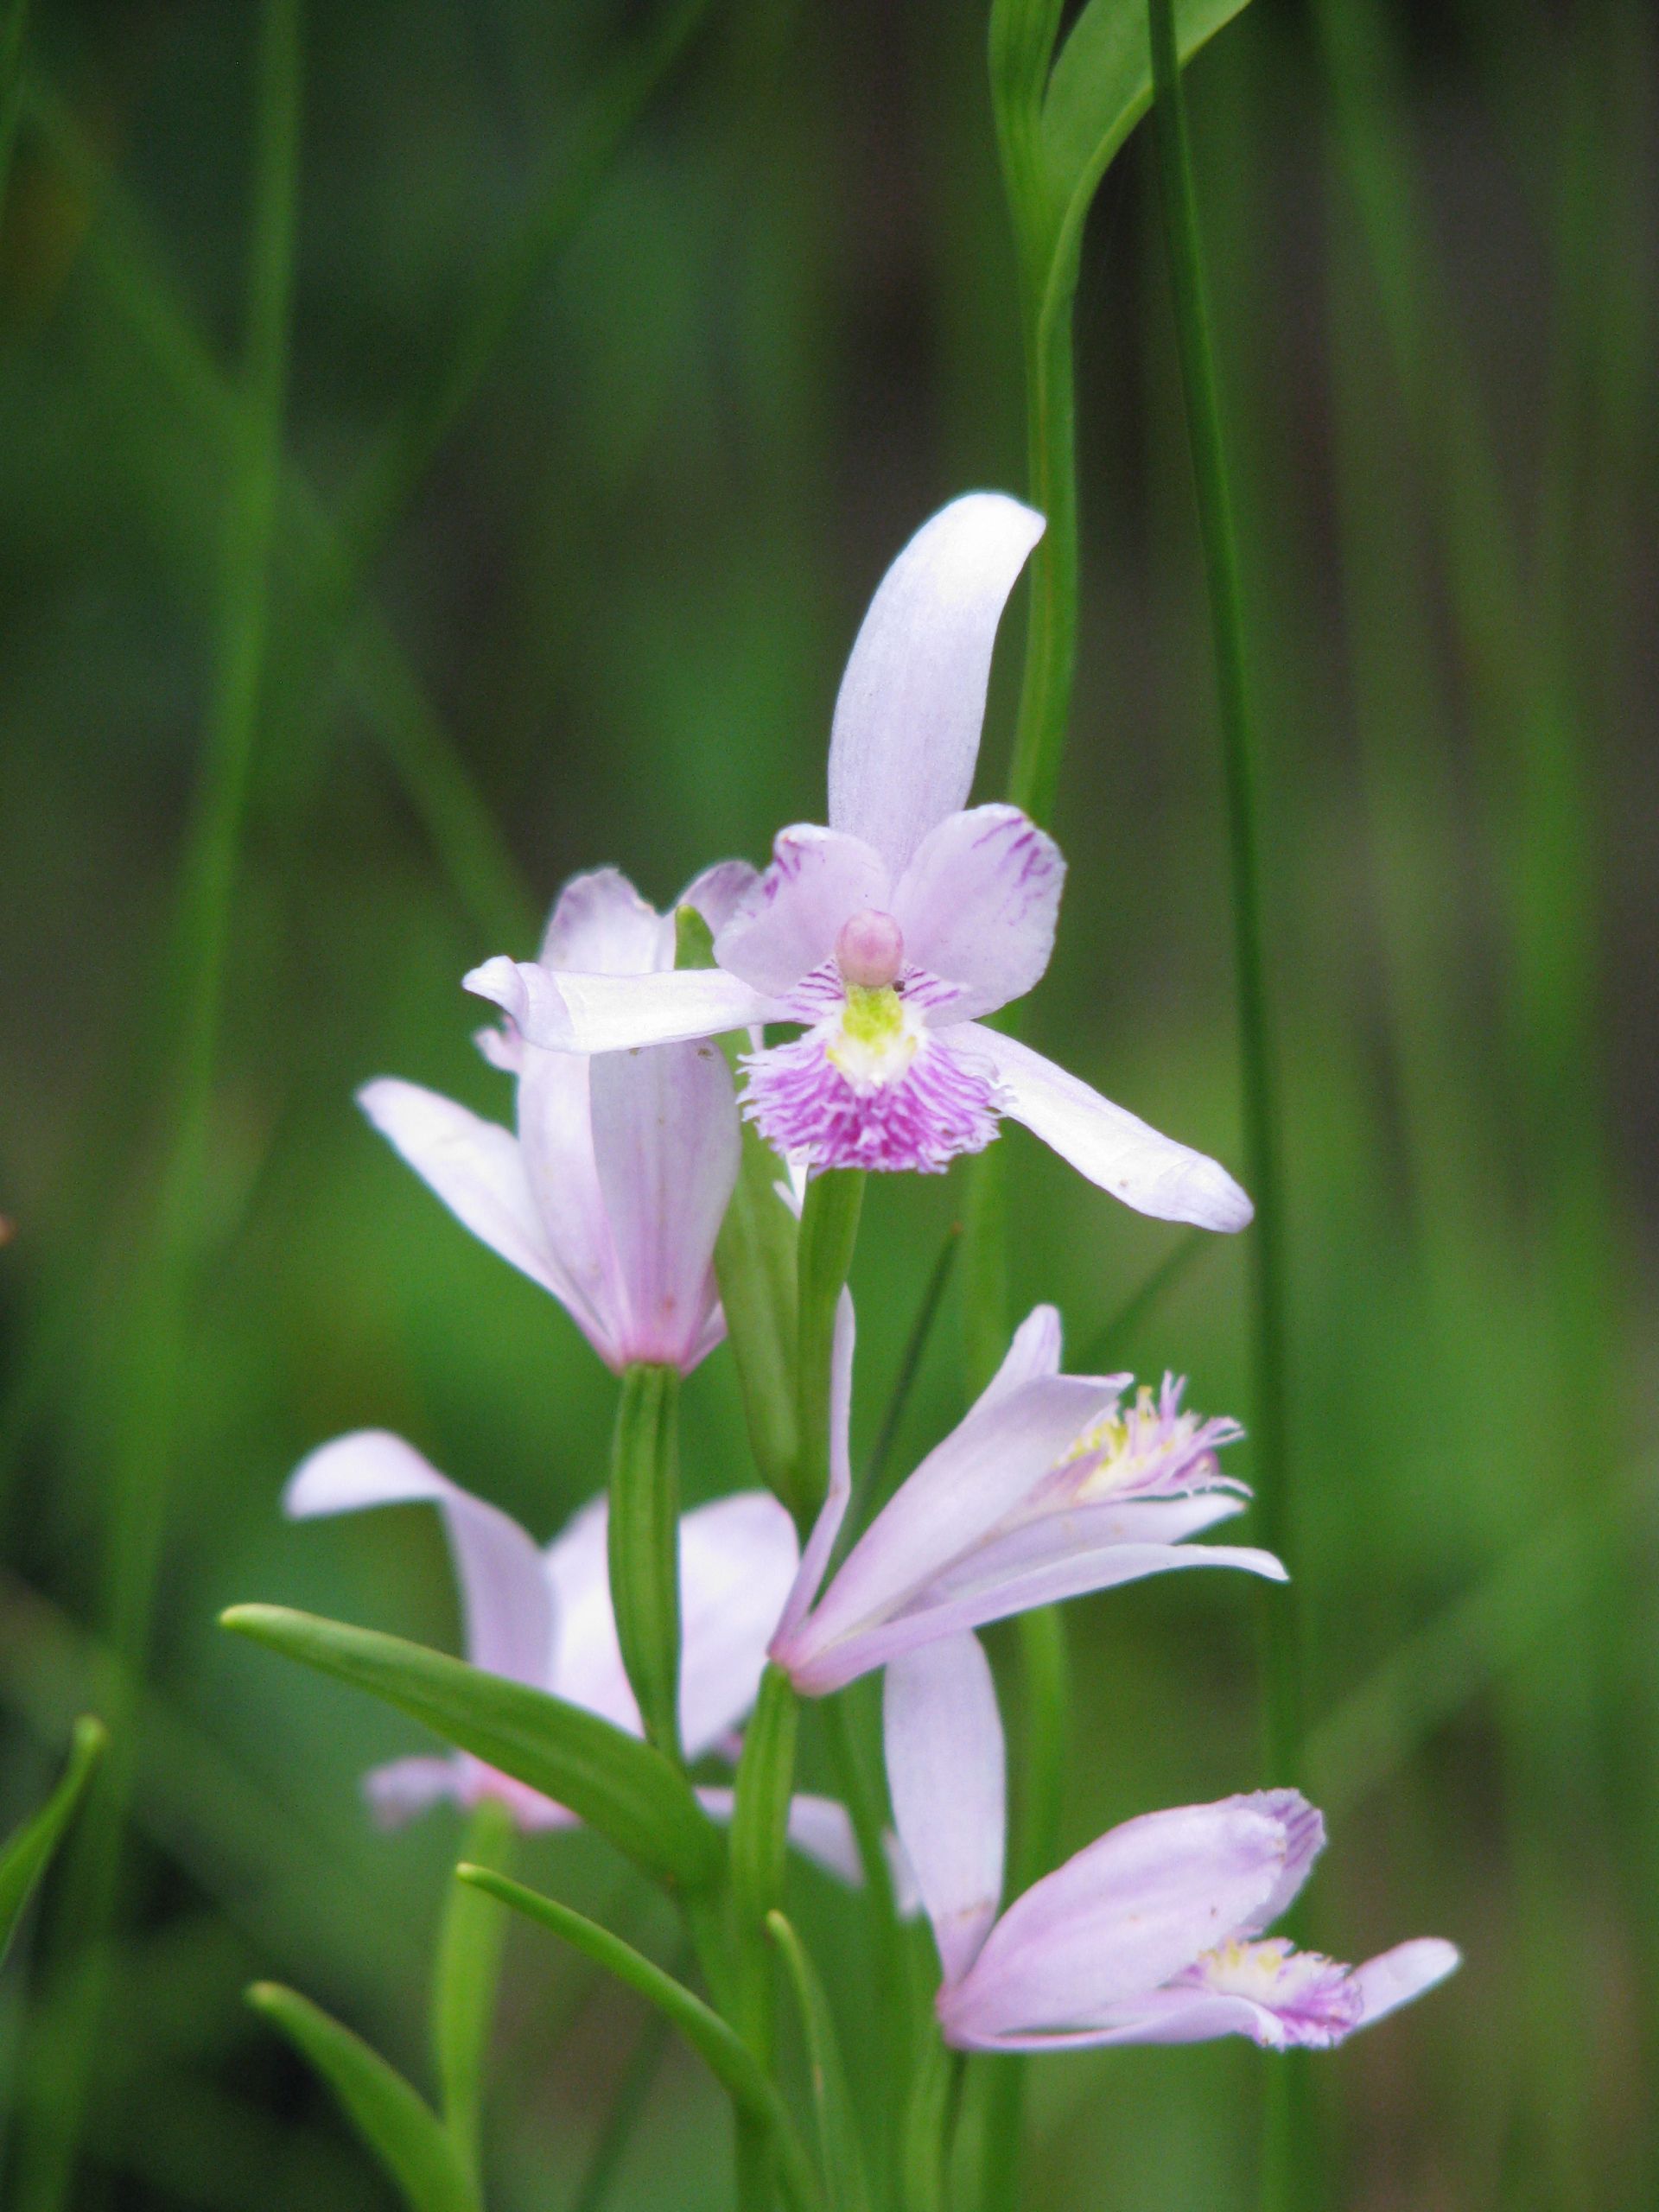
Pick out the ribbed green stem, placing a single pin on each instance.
(1291, 2169)
(828, 1233)
(467, 1970)
(1052, 623)
(766, 1777)
(1239, 766)
(644, 1546)
(894, 2001)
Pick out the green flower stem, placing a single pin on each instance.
(156, 1345)
(896, 2000)
(766, 1777)
(1291, 2166)
(1052, 623)
(829, 1232)
(644, 1546)
(1022, 36)
(466, 1972)
(757, 1262)
(1276, 1519)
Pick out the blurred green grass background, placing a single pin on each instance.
(595, 440)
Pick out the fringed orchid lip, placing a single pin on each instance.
(890, 933)
(1152, 1934)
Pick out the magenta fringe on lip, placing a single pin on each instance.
(801, 1102)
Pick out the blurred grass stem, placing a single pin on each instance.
(145, 1446)
(1239, 762)
(1291, 2171)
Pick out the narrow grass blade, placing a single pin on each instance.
(397, 2124)
(29, 1853)
(848, 2188)
(620, 1786)
(464, 1983)
(734, 2065)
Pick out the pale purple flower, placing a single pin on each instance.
(889, 934)
(612, 1191)
(1052, 1485)
(545, 1618)
(1153, 1934)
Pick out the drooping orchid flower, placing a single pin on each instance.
(545, 1618)
(611, 1193)
(1153, 1934)
(1049, 1487)
(889, 934)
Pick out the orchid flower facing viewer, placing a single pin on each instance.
(545, 1618)
(890, 933)
(612, 1191)
(1049, 1487)
(1153, 1934)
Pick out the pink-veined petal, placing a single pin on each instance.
(822, 1541)
(906, 734)
(962, 1491)
(716, 894)
(1304, 1827)
(978, 904)
(976, 1605)
(946, 1775)
(555, 1139)
(476, 1167)
(788, 923)
(404, 1788)
(665, 1138)
(1119, 1919)
(737, 1560)
(1110, 1145)
(600, 926)
(1397, 1976)
(508, 1608)
(612, 1014)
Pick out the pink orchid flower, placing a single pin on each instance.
(545, 1618)
(611, 1193)
(889, 934)
(1153, 1934)
(1049, 1487)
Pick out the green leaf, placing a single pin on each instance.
(397, 2124)
(29, 1850)
(843, 2162)
(1100, 89)
(627, 1791)
(464, 1981)
(729, 2059)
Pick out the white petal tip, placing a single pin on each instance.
(499, 980)
(1218, 1202)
